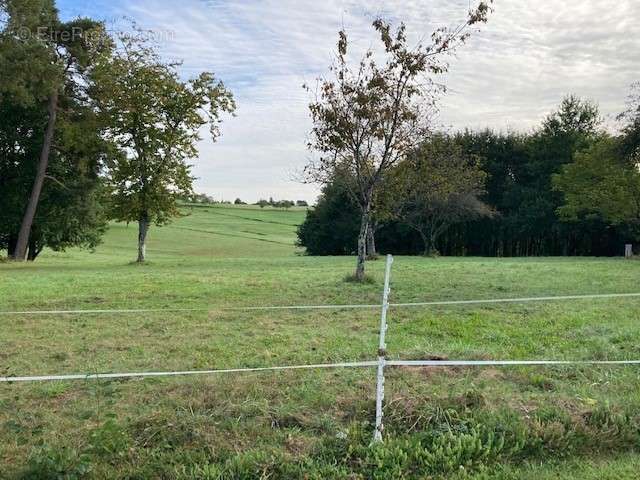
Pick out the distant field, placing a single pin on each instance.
(532, 423)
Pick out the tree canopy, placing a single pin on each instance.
(50, 142)
(600, 184)
(369, 116)
(154, 118)
(438, 185)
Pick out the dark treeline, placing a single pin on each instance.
(527, 185)
(520, 189)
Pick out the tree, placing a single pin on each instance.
(574, 126)
(238, 201)
(603, 184)
(519, 189)
(155, 119)
(631, 130)
(368, 117)
(200, 198)
(440, 186)
(331, 227)
(286, 204)
(47, 130)
(70, 210)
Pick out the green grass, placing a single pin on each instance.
(515, 422)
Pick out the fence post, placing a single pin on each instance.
(377, 436)
(628, 250)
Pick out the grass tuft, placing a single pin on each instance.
(135, 263)
(367, 280)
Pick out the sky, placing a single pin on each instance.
(512, 72)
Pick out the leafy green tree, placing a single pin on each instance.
(439, 186)
(70, 209)
(200, 198)
(574, 126)
(519, 188)
(369, 116)
(155, 119)
(504, 158)
(331, 226)
(601, 184)
(46, 67)
(286, 204)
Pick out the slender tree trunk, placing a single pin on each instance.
(432, 244)
(425, 243)
(34, 250)
(371, 242)
(143, 228)
(362, 244)
(27, 220)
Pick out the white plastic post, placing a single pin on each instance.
(377, 436)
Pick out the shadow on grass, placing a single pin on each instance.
(367, 280)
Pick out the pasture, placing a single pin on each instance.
(511, 422)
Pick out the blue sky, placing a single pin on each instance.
(509, 75)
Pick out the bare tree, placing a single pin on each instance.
(368, 117)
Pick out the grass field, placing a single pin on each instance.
(512, 422)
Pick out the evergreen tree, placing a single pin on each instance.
(50, 142)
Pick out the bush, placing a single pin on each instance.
(331, 228)
(444, 439)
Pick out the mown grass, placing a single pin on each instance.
(515, 422)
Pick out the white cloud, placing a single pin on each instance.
(509, 75)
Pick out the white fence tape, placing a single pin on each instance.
(209, 309)
(325, 307)
(487, 363)
(517, 300)
(97, 376)
(372, 363)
